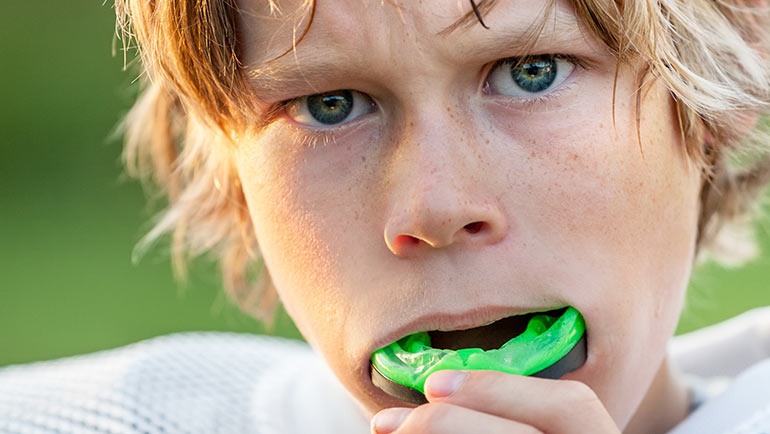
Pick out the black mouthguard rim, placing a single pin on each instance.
(573, 360)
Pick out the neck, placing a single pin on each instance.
(666, 403)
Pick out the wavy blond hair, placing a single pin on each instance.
(711, 54)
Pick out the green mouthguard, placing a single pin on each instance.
(546, 340)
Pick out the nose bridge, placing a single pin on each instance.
(434, 151)
(431, 160)
(438, 194)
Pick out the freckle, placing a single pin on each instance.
(487, 141)
(601, 125)
(532, 154)
(348, 147)
(411, 123)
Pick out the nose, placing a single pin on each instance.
(433, 225)
(443, 195)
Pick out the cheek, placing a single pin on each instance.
(623, 223)
(306, 209)
(618, 217)
(597, 192)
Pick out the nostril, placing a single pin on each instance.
(406, 240)
(474, 227)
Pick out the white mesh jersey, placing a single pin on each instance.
(185, 383)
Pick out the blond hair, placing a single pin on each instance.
(711, 54)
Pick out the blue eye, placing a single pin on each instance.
(529, 76)
(330, 108)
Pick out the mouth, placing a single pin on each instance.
(487, 337)
(546, 344)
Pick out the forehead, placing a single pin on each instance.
(351, 41)
(268, 29)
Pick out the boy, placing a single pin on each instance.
(441, 166)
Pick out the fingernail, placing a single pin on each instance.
(444, 383)
(389, 420)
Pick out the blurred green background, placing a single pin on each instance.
(69, 219)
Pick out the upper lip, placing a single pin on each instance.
(449, 321)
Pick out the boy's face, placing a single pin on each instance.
(447, 198)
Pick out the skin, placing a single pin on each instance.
(363, 226)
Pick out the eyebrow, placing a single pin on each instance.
(291, 74)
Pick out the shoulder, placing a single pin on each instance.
(187, 382)
(725, 349)
(743, 408)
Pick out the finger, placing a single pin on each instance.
(442, 418)
(553, 406)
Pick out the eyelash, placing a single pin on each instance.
(532, 103)
(311, 136)
(568, 57)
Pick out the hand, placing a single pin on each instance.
(491, 402)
